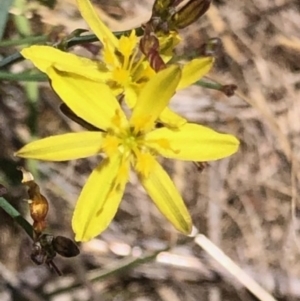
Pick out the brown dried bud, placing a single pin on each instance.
(39, 227)
(65, 247)
(228, 90)
(37, 255)
(156, 62)
(38, 204)
(149, 46)
(189, 13)
(148, 43)
(46, 242)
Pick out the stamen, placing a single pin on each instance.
(132, 59)
(110, 145)
(144, 163)
(136, 66)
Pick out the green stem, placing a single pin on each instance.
(9, 60)
(228, 90)
(209, 85)
(4, 12)
(16, 57)
(116, 269)
(15, 214)
(24, 76)
(27, 40)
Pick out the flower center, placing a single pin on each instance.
(123, 140)
(130, 143)
(126, 62)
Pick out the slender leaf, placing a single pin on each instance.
(24, 76)
(15, 214)
(27, 40)
(5, 6)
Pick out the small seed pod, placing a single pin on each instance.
(189, 13)
(65, 246)
(37, 255)
(46, 242)
(39, 227)
(38, 207)
(148, 42)
(156, 62)
(38, 204)
(229, 90)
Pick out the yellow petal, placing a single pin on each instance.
(109, 56)
(144, 163)
(128, 44)
(97, 26)
(167, 44)
(154, 97)
(121, 76)
(63, 147)
(194, 70)
(131, 93)
(192, 142)
(167, 198)
(44, 57)
(92, 101)
(100, 198)
(142, 72)
(171, 119)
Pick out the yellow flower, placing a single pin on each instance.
(126, 141)
(124, 68)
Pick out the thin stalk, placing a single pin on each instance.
(24, 76)
(15, 214)
(91, 38)
(27, 40)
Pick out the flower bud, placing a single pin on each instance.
(38, 227)
(148, 43)
(189, 13)
(38, 204)
(156, 62)
(65, 246)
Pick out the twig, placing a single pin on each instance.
(111, 270)
(233, 268)
(27, 40)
